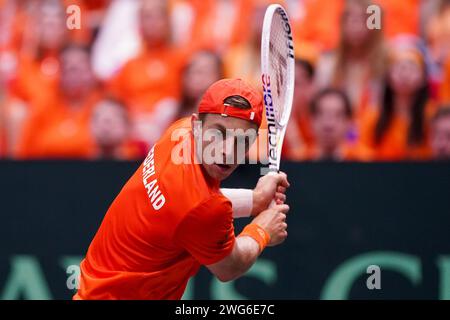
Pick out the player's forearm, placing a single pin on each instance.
(248, 253)
(247, 247)
(245, 252)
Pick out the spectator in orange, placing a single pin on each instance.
(299, 133)
(92, 12)
(149, 83)
(3, 133)
(204, 68)
(223, 23)
(110, 127)
(59, 124)
(440, 134)
(13, 114)
(445, 87)
(216, 24)
(397, 17)
(400, 17)
(85, 33)
(12, 17)
(331, 117)
(243, 60)
(39, 67)
(12, 109)
(357, 64)
(188, 21)
(44, 36)
(437, 32)
(398, 130)
(311, 28)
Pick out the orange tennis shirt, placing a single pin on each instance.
(167, 221)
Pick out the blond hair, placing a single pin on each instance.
(374, 48)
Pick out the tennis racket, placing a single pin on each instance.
(277, 68)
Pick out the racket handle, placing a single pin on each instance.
(272, 204)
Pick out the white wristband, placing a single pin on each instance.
(242, 201)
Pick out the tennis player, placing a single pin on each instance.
(171, 217)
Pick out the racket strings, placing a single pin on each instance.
(278, 67)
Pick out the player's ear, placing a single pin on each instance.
(194, 117)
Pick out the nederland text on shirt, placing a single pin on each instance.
(155, 195)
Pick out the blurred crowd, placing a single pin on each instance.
(110, 88)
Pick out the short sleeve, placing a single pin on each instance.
(207, 231)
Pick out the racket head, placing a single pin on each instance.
(278, 75)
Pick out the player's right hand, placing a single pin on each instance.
(273, 221)
(271, 187)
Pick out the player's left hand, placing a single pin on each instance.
(269, 187)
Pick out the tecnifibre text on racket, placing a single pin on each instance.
(277, 68)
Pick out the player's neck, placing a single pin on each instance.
(196, 161)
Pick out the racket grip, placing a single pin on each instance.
(272, 204)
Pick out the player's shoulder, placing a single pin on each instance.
(183, 123)
(188, 190)
(215, 200)
(212, 208)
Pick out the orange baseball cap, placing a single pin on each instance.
(213, 100)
